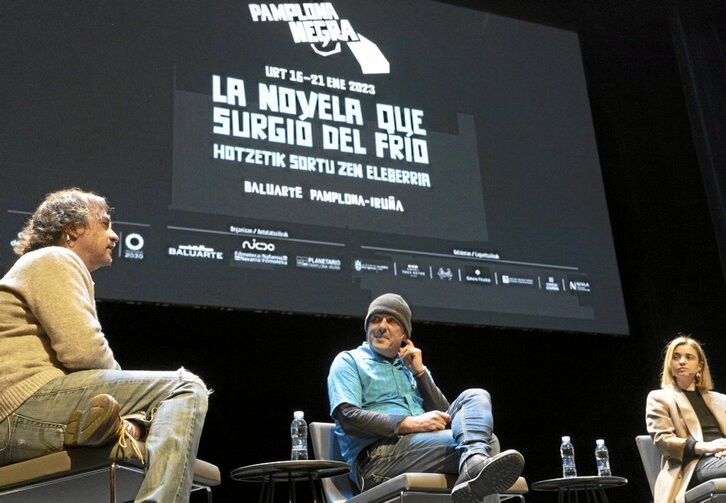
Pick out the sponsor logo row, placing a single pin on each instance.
(257, 252)
(476, 275)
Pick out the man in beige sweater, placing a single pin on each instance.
(60, 385)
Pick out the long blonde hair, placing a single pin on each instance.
(704, 382)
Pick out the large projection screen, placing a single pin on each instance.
(306, 157)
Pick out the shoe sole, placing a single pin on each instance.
(499, 475)
(103, 426)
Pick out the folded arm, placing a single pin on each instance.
(365, 423)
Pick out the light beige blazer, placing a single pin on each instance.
(671, 421)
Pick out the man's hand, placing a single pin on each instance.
(430, 421)
(412, 357)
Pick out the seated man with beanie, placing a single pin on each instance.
(390, 418)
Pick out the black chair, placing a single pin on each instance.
(85, 474)
(712, 491)
(406, 488)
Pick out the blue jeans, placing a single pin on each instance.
(441, 451)
(176, 403)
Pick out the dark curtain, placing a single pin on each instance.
(699, 30)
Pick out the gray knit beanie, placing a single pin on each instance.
(390, 303)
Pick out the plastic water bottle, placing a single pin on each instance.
(299, 436)
(567, 451)
(602, 458)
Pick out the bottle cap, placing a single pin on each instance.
(566, 438)
(298, 414)
(599, 441)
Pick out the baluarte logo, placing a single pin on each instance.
(196, 251)
(318, 24)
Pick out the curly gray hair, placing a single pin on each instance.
(69, 207)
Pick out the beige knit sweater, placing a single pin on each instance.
(48, 324)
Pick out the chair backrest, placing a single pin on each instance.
(650, 457)
(336, 489)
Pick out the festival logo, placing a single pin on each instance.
(318, 24)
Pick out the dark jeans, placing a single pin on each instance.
(708, 468)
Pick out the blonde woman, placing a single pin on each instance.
(687, 421)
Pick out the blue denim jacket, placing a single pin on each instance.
(363, 378)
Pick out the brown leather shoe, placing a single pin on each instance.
(99, 424)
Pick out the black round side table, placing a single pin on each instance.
(291, 472)
(593, 487)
